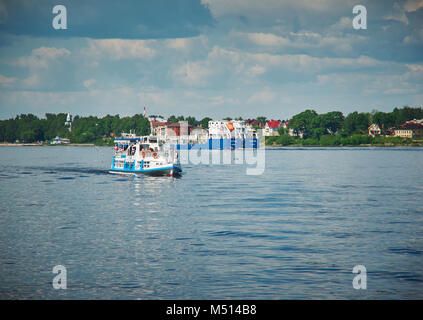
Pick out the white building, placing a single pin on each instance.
(374, 130)
(229, 129)
(272, 128)
(60, 140)
(198, 134)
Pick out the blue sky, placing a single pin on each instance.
(213, 58)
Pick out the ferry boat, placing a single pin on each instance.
(144, 155)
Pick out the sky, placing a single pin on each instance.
(216, 58)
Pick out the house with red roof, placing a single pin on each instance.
(254, 123)
(271, 128)
(409, 129)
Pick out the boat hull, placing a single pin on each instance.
(169, 171)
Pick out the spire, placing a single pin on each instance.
(69, 121)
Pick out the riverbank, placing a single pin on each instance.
(45, 145)
(349, 145)
(351, 141)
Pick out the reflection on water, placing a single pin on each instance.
(296, 231)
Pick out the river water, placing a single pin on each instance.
(294, 232)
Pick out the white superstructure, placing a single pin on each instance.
(223, 129)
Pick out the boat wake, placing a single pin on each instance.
(59, 170)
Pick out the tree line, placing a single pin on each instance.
(328, 128)
(30, 128)
(333, 128)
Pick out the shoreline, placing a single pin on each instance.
(348, 145)
(270, 146)
(46, 145)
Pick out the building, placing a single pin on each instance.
(180, 128)
(60, 140)
(220, 129)
(271, 128)
(198, 134)
(68, 122)
(292, 133)
(224, 129)
(157, 126)
(374, 130)
(159, 129)
(409, 129)
(254, 123)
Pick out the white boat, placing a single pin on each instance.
(144, 155)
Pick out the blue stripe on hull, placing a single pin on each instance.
(155, 171)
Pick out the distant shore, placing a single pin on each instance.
(352, 141)
(349, 146)
(45, 145)
(267, 145)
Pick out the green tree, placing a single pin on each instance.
(356, 123)
(262, 120)
(332, 121)
(304, 123)
(285, 140)
(205, 122)
(172, 119)
(192, 121)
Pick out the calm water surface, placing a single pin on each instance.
(295, 232)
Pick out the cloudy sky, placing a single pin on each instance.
(213, 58)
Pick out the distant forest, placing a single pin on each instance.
(314, 127)
(30, 128)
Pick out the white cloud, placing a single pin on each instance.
(267, 39)
(305, 63)
(192, 73)
(409, 81)
(185, 44)
(271, 8)
(415, 67)
(31, 82)
(344, 23)
(415, 38)
(41, 57)
(6, 81)
(88, 83)
(255, 70)
(299, 41)
(223, 101)
(118, 49)
(399, 91)
(178, 43)
(265, 96)
(154, 98)
(399, 12)
(413, 5)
